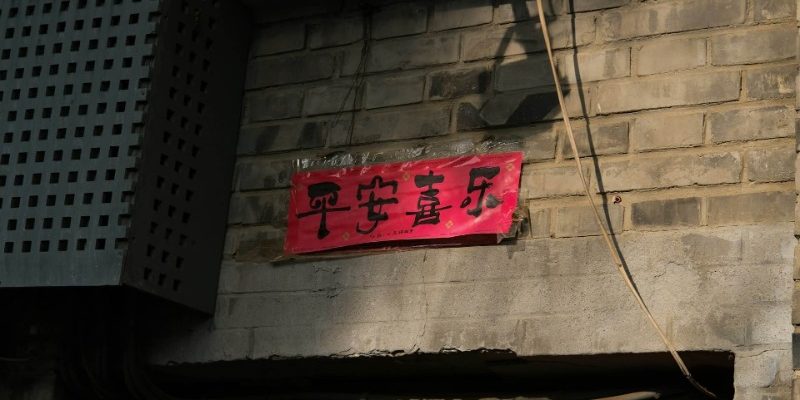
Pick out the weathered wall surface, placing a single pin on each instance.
(693, 121)
(796, 297)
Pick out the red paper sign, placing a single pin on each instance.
(428, 199)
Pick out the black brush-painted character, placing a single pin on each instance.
(375, 213)
(428, 204)
(486, 174)
(321, 195)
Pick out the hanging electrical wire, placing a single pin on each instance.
(359, 76)
(613, 250)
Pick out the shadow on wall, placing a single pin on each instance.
(519, 108)
(509, 106)
(526, 109)
(521, 94)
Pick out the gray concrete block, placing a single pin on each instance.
(751, 208)
(454, 83)
(797, 133)
(795, 350)
(230, 243)
(555, 181)
(450, 14)
(394, 91)
(580, 256)
(734, 249)
(764, 251)
(754, 46)
(540, 222)
(412, 52)
(621, 96)
(332, 98)
(376, 270)
(263, 174)
(771, 82)
(468, 117)
(278, 38)
(335, 32)
(346, 340)
(797, 221)
(270, 208)
(751, 124)
(488, 300)
(281, 70)
(339, 130)
(399, 125)
(516, 333)
(666, 213)
(387, 303)
(796, 303)
(580, 221)
(591, 5)
(769, 323)
(609, 138)
(761, 369)
(780, 390)
(671, 171)
(256, 243)
(348, 59)
(332, 306)
(525, 73)
(268, 105)
(521, 108)
(271, 309)
(540, 145)
(595, 65)
(796, 271)
(262, 139)
(664, 131)
(526, 37)
(774, 9)
(776, 164)
(538, 142)
(507, 11)
(400, 20)
(666, 55)
(667, 17)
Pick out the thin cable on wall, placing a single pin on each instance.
(357, 84)
(614, 251)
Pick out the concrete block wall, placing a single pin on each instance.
(796, 274)
(692, 121)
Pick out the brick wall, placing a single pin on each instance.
(796, 274)
(692, 119)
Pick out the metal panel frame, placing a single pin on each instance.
(186, 168)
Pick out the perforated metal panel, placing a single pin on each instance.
(119, 121)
